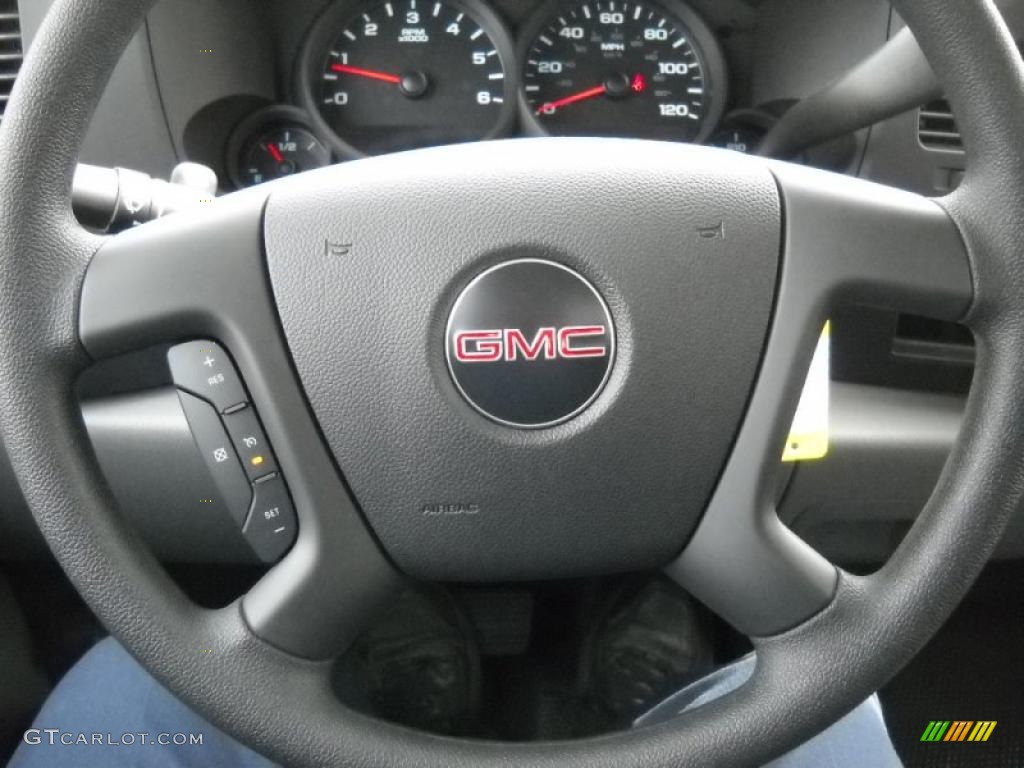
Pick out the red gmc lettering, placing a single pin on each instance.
(570, 332)
(486, 348)
(516, 341)
(511, 344)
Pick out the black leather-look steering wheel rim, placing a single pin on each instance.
(806, 677)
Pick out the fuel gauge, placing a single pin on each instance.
(738, 138)
(742, 130)
(281, 152)
(272, 144)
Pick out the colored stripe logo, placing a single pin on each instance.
(958, 730)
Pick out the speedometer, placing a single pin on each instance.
(622, 68)
(398, 74)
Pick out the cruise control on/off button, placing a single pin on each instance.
(250, 442)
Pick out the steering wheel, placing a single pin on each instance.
(337, 294)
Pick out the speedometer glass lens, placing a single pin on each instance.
(621, 68)
(412, 73)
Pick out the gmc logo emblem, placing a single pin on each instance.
(510, 344)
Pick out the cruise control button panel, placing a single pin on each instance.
(204, 369)
(271, 526)
(228, 432)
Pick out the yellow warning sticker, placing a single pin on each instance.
(808, 437)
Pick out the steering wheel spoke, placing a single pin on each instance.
(203, 275)
(845, 241)
(192, 275)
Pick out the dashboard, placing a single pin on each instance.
(390, 75)
(257, 89)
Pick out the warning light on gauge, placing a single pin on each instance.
(639, 83)
(256, 460)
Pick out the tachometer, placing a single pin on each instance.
(401, 74)
(622, 68)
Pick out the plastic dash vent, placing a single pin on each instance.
(10, 49)
(936, 127)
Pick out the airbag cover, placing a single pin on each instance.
(367, 260)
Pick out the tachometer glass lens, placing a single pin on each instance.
(614, 68)
(411, 73)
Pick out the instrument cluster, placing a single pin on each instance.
(379, 76)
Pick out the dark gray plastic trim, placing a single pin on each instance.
(150, 459)
(893, 79)
(886, 451)
(845, 241)
(203, 275)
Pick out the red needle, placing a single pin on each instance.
(590, 93)
(371, 73)
(275, 153)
